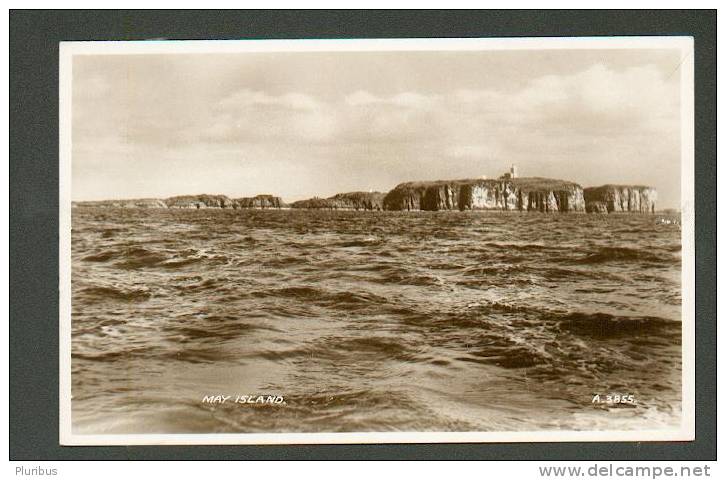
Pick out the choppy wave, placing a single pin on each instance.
(106, 293)
(625, 254)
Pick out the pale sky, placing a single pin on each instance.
(309, 124)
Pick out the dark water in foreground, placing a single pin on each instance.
(373, 321)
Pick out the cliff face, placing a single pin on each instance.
(260, 201)
(620, 198)
(358, 200)
(520, 194)
(315, 202)
(345, 201)
(200, 201)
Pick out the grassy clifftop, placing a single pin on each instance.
(526, 183)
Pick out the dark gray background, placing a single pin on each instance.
(34, 37)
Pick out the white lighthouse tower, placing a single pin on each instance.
(512, 173)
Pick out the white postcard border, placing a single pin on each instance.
(67, 50)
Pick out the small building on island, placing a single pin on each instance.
(512, 173)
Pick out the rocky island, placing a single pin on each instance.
(521, 194)
(261, 202)
(192, 202)
(345, 201)
(506, 193)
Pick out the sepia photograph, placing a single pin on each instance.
(376, 241)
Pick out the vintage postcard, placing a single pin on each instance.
(375, 241)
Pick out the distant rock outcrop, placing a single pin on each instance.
(200, 201)
(620, 198)
(344, 201)
(260, 202)
(312, 203)
(130, 203)
(519, 194)
(190, 202)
